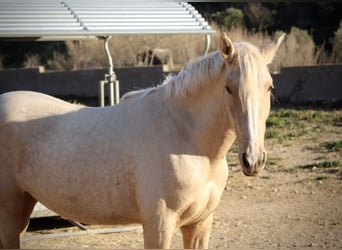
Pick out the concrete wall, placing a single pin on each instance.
(305, 84)
(82, 83)
(295, 85)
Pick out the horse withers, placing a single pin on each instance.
(157, 158)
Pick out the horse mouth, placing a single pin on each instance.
(250, 172)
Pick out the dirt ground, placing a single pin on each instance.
(296, 203)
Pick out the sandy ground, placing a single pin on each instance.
(286, 207)
(278, 210)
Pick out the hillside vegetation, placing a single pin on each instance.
(312, 38)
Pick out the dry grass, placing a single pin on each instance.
(31, 61)
(124, 49)
(298, 49)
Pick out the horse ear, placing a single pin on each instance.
(269, 51)
(226, 48)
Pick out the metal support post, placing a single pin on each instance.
(207, 43)
(110, 79)
(111, 93)
(101, 93)
(117, 91)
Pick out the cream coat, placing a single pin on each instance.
(157, 158)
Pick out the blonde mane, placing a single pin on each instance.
(204, 70)
(249, 59)
(188, 81)
(194, 76)
(251, 72)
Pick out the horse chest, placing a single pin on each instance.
(203, 195)
(202, 206)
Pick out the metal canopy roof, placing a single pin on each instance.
(43, 20)
(75, 19)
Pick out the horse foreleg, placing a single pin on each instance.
(28, 204)
(14, 217)
(9, 233)
(158, 231)
(10, 223)
(197, 235)
(9, 239)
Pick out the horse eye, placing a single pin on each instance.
(228, 90)
(270, 88)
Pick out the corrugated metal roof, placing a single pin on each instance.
(75, 19)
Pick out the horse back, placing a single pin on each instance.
(27, 105)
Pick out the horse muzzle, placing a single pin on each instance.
(253, 166)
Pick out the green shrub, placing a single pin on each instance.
(271, 134)
(333, 146)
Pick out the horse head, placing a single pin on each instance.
(248, 92)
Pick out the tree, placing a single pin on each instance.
(260, 17)
(230, 18)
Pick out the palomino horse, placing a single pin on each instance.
(157, 158)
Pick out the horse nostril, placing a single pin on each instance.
(245, 161)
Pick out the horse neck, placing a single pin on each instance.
(208, 120)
